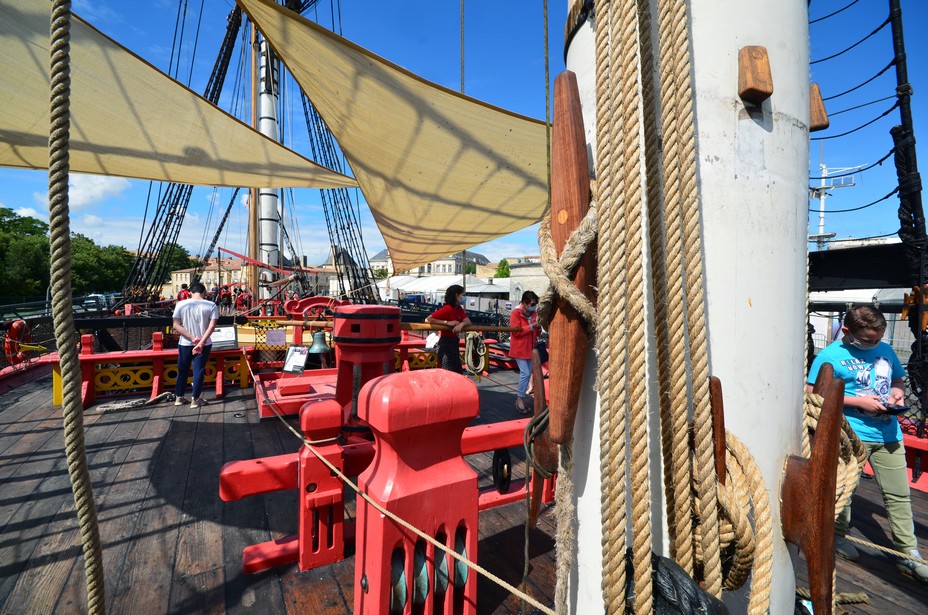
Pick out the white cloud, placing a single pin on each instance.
(85, 190)
(91, 220)
(95, 12)
(28, 212)
(92, 189)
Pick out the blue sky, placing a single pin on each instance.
(871, 143)
(504, 65)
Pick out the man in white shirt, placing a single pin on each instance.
(194, 321)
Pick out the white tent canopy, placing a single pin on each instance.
(442, 172)
(128, 119)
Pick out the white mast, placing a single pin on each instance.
(268, 199)
(753, 176)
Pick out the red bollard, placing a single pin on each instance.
(364, 337)
(419, 474)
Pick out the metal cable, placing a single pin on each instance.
(843, 51)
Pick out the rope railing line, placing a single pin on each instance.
(65, 333)
(870, 204)
(835, 55)
(887, 550)
(857, 170)
(853, 130)
(311, 446)
(832, 14)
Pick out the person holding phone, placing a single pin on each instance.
(873, 389)
(521, 344)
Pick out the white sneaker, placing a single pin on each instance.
(180, 401)
(916, 570)
(197, 402)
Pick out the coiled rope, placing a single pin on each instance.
(65, 333)
(475, 355)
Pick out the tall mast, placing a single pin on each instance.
(252, 250)
(268, 199)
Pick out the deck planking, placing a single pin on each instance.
(170, 544)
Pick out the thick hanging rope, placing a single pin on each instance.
(680, 183)
(611, 336)
(65, 334)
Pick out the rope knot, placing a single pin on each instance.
(562, 270)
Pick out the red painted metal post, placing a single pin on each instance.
(365, 336)
(88, 369)
(419, 474)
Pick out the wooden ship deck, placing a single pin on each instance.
(170, 545)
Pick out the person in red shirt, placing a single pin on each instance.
(521, 344)
(183, 293)
(452, 314)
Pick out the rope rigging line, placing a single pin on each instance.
(65, 333)
(311, 446)
(615, 50)
(857, 170)
(866, 104)
(859, 238)
(860, 85)
(842, 211)
(835, 55)
(844, 134)
(196, 40)
(832, 14)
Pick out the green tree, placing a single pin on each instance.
(381, 273)
(24, 271)
(179, 259)
(24, 266)
(95, 269)
(13, 223)
(470, 268)
(502, 269)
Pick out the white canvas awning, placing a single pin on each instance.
(128, 119)
(442, 172)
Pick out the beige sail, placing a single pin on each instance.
(441, 172)
(128, 119)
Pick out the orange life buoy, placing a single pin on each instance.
(18, 333)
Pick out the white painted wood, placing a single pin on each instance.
(753, 169)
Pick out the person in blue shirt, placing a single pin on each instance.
(873, 380)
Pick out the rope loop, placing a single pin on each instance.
(561, 270)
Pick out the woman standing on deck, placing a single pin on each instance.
(521, 343)
(453, 315)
